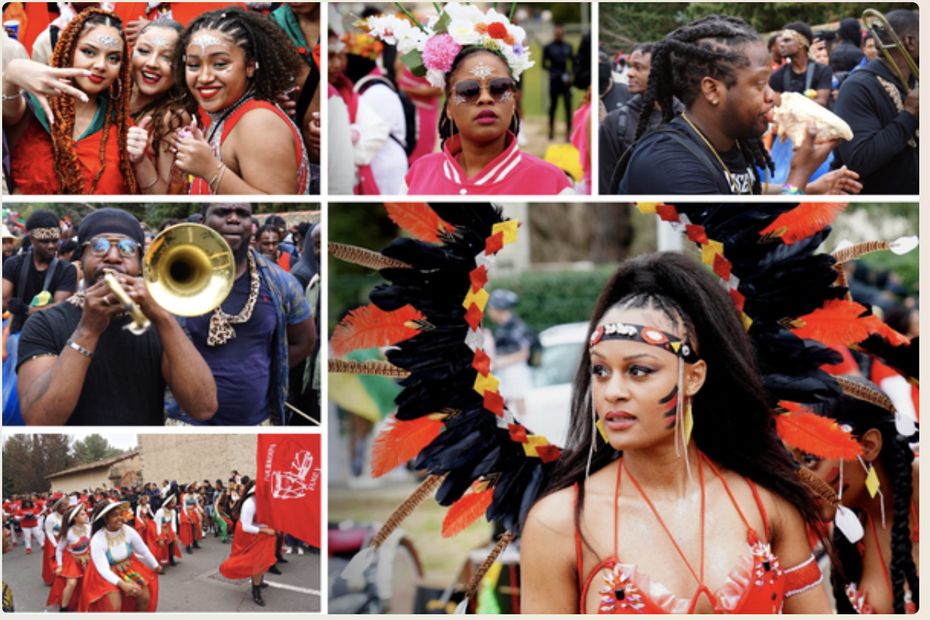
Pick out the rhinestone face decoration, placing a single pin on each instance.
(204, 41)
(106, 40)
(507, 97)
(482, 71)
(459, 99)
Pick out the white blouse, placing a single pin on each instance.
(99, 547)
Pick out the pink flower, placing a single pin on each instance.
(439, 52)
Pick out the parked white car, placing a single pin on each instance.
(548, 404)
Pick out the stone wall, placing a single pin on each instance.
(190, 457)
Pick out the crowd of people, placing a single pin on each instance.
(69, 361)
(422, 105)
(146, 527)
(164, 98)
(710, 88)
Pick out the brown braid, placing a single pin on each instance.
(67, 166)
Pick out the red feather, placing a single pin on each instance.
(894, 338)
(369, 326)
(466, 511)
(803, 221)
(399, 441)
(799, 428)
(837, 323)
(418, 219)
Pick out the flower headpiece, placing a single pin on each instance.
(361, 44)
(429, 50)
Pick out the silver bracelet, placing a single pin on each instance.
(6, 97)
(85, 352)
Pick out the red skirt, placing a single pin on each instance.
(198, 526)
(95, 589)
(72, 567)
(48, 562)
(186, 530)
(250, 554)
(159, 545)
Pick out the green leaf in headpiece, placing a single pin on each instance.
(443, 24)
(414, 61)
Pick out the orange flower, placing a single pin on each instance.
(481, 28)
(508, 40)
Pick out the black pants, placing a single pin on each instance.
(557, 90)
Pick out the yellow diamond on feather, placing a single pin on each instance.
(647, 207)
(509, 229)
(871, 481)
(709, 250)
(480, 299)
(487, 382)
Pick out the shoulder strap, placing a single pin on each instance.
(809, 78)
(49, 273)
(23, 274)
(578, 556)
(762, 513)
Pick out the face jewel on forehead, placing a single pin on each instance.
(203, 41)
(482, 71)
(106, 40)
(159, 41)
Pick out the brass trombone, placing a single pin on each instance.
(886, 39)
(188, 269)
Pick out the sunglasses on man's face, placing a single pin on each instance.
(101, 246)
(468, 91)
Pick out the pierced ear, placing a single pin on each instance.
(871, 442)
(695, 375)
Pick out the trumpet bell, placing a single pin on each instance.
(189, 269)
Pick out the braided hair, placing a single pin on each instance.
(167, 111)
(263, 41)
(896, 458)
(447, 128)
(683, 58)
(67, 166)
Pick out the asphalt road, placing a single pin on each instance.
(193, 585)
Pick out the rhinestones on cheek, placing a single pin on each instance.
(459, 100)
(482, 71)
(507, 97)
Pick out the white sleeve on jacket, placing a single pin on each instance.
(140, 548)
(247, 517)
(59, 548)
(98, 555)
(50, 531)
(373, 132)
(158, 517)
(341, 173)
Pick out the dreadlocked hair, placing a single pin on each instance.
(683, 58)
(264, 42)
(67, 166)
(167, 111)
(896, 458)
(447, 128)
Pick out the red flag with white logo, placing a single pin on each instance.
(288, 485)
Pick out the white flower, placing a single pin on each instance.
(464, 33)
(413, 39)
(388, 28)
(436, 78)
(468, 13)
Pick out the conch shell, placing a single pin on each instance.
(796, 111)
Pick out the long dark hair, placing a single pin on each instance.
(732, 421)
(237, 508)
(67, 522)
(683, 58)
(262, 40)
(896, 458)
(447, 128)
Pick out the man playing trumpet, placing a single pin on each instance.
(79, 366)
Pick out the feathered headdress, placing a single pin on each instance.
(429, 50)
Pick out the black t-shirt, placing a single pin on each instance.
(63, 279)
(124, 384)
(556, 56)
(663, 162)
(822, 78)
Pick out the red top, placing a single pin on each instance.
(200, 186)
(28, 516)
(756, 585)
(513, 172)
(33, 162)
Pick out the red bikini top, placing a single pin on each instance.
(756, 585)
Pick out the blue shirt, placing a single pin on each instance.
(239, 367)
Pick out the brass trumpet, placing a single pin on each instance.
(886, 39)
(188, 269)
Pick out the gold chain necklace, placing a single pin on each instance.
(704, 139)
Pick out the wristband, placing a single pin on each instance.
(85, 352)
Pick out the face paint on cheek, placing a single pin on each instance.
(507, 97)
(670, 399)
(459, 100)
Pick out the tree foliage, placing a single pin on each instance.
(28, 459)
(94, 448)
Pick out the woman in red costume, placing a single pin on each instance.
(234, 64)
(189, 519)
(144, 519)
(675, 494)
(253, 548)
(162, 536)
(52, 529)
(72, 555)
(70, 139)
(122, 574)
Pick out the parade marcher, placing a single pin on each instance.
(144, 519)
(253, 548)
(28, 516)
(234, 64)
(884, 115)
(28, 275)
(163, 537)
(478, 70)
(188, 519)
(266, 305)
(71, 139)
(221, 510)
(122, 574)
(846, 54)
(718, 67)
(72, 367)
(52, 528)
(72, 553)
(557, 55)
(269, 242)
(801, 74)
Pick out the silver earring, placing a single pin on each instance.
(592, 447)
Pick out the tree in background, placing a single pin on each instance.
(94, 448)
(28, 459)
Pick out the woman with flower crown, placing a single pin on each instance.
(476, 57)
